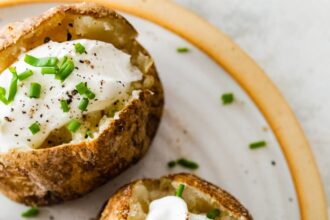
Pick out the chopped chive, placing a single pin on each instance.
(34, 128)
(31, 212)
(182, 50)
(73, 125)
(79, 48)
(62, 61)
(49, 70)
(258, 144)
(81, 88)
(2, 91)
(13, 85)
(179, 190)
(41, 62)
(227, 98)
(89, 134)
(213, 214)
(35, 90)
(187, 164)
(64, 106)
(90, 94)
(83, 104)
(171, 164)
(24, 75)
(3, 98)
(65, 69)
(84, 90)
(12, 69)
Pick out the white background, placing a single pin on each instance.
(290, 40)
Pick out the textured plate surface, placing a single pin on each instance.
(195, 125)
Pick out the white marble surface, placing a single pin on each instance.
(291, 41)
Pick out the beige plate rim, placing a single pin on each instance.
(245, 71)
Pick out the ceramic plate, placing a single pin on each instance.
(195, 125)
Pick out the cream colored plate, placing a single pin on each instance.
(195, 125)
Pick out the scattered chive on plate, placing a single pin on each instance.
(183, 162)
(182, 50)
(30, 213)
(258, 144)
(227, 98)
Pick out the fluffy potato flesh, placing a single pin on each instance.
(65, 170)
(132, 201)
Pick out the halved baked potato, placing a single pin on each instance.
(62, 169)
(132, 202)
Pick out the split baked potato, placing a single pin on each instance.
(132, 202)
(60, 169)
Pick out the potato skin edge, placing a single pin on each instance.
(52, 175)
(118, 205)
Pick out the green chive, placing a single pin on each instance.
(79, 48)
(3, 96)
(2, 91)
(84, 90)
(41, 62)
(73, 125)
(90, 94)
(89, 134)
(258, 144)
(81, 88)
(24, 75)
(188, 164)
(64, 106)
(31, 212)
(83, 104)
(227, 98)
(12, 69)
(13, 85)
(182, 50)
(35, 90)
(62, 61)
(171, 164)
(34, 128)
(49, 70)
(213, 214)
(65, 69)
(179, 190)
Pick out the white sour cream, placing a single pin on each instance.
(107, 71)
(171, 208)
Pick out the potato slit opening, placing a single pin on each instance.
(147, 191)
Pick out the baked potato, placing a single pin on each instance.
(134, 201)
(65, 166)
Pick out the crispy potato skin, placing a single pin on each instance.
(118, 205)
(52, 175)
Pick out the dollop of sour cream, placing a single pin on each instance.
(171, 208)
(106, 70)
